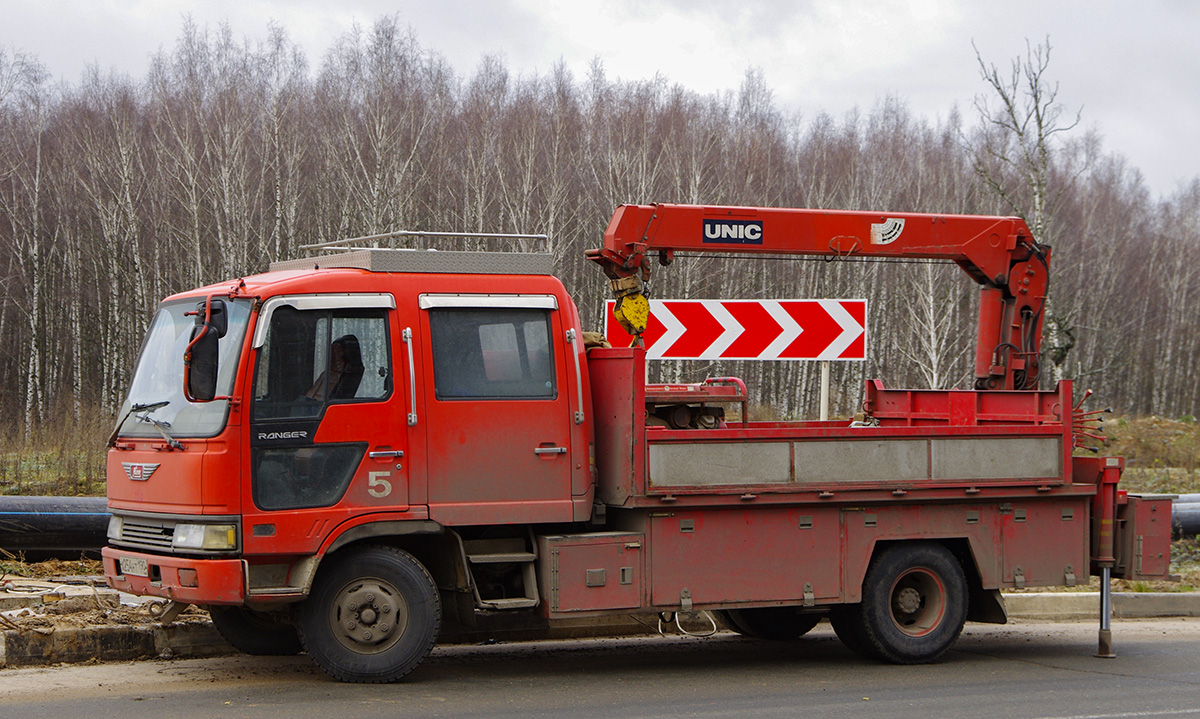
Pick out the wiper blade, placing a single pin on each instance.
(146, 408)
(160, 424)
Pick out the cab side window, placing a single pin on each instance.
(488, 353)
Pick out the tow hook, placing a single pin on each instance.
(167, 613)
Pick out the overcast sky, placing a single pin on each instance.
(1131, 67)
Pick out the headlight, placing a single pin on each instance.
(205, 536)
(115, 525)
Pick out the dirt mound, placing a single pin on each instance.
(1154, 442)
(51, 568)
(55, 594)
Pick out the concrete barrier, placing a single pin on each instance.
(1086, 605)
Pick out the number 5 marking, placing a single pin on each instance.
(377, 486)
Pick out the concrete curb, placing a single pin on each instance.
(31, 648)
(107, 644)
(1086, 605)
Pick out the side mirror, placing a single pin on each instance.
(200, 357)
(217, 318)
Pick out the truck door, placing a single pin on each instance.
(499, 420)
(323, 428)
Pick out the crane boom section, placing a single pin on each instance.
(999, 253)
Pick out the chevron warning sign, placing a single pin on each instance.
(750, 329)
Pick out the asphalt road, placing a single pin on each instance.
(1026, 670)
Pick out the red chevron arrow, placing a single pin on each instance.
(618, 337)
(760, 329)
(818, 329)
(654, 330)
(701, 329)
(858, 348)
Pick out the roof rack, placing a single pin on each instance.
(349, 253)
(350, 242)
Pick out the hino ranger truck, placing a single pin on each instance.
(351, 454)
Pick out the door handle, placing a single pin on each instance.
(578, 377)
(386, 453)
(549, 450)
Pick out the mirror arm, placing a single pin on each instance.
(187, 354)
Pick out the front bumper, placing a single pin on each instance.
(201, 581)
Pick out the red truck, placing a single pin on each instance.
(350, 454)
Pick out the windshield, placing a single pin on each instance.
(159, 374)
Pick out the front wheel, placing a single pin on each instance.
(914, 604)
(776, 623)
(255, 633)
(372, 617)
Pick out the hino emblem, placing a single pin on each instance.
(139, 471)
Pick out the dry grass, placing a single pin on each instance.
(1164, 454)
(1185, 562)
(63, 460)
(50, 569)
(1165, 480)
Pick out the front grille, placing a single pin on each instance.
(145, 531)
(151, 534)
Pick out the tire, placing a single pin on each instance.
(255, 633)
(774, 623)
(372, 617)
(914, 603)
(847, 623)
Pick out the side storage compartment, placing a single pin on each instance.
(591, 572)
(1143, 541)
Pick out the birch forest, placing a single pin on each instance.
(230, 153)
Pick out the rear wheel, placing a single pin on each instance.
(914, 604)
(779, 623)
(256, 633)
(373, 615)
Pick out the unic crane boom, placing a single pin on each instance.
(999, 253)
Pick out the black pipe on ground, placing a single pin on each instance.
(1186, 516)
(53, 527)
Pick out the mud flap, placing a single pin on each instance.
(987, 606)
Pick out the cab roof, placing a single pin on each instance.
(324, 273)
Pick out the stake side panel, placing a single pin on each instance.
(617, 377)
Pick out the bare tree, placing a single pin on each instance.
(31, 235)
(934, 341)
(1013, 155)
(285, 149)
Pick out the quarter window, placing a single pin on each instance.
(492, 354)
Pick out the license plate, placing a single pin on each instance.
(136, 566)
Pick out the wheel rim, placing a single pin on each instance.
(918, 601)
(368, 615)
